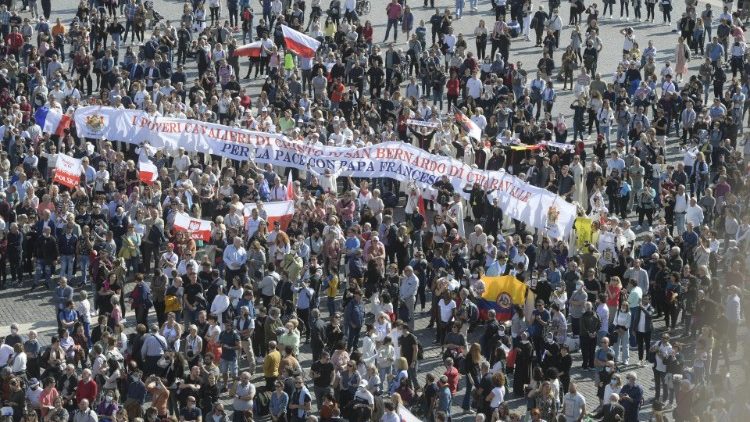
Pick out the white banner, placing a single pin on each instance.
(68, 171)
(422, 123)
(534, 206)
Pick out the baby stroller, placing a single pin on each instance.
(152, 14)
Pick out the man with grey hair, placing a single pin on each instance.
(590, 324)
(154, 346)
(245, 326)
(631, 397)
(84, 413)
(407, 293)
(612, 411)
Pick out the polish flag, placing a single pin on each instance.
(249, 50)
(68, 171)
(290, 187)
(147, 172)
(281, 211)
(197, 229)
(299, 43)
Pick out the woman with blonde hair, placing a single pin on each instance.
(471, 365)
(402, 368)
(545, 401)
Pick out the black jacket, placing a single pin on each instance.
(610, 413)
(46, 249)
(647, 313)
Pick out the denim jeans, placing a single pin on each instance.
(437, 96)
(605, 131)
(83, 263)
(331, 305)
(413, 375)
(353, 337)
(384, 372)
(466, 405)
(623, 346)
(391, 23)
(679, 222)
(43, 271)
(67, 268)
(459, 8)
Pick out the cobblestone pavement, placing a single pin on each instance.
(35, 311)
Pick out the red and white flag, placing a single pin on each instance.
(421, 209)
(197, 229)
(68, 171)
(249, 50)
(281, 211)
(290, 187)
(467, 124)
(299, 43)
(147, 172)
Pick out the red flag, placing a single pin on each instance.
(420, 207)
(290, 188)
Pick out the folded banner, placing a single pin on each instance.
(281, 212)
(68, 171)
(197, 229)
(522, 201)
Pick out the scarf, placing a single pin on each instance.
(301, 402)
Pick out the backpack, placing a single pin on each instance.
(44, 360)
(261, 403)
(390, 200)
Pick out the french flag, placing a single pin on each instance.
(147, 172)
(249, 50)
(51, 120)
(299, 43)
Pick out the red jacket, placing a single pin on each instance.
(454, 86)
(14, 41)
(87, 390)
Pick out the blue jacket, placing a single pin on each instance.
(354, 314)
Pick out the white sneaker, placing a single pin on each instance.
(626, 363)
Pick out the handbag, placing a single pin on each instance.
(171, 304)
(613, 334)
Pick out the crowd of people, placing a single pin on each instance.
(153, 324)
